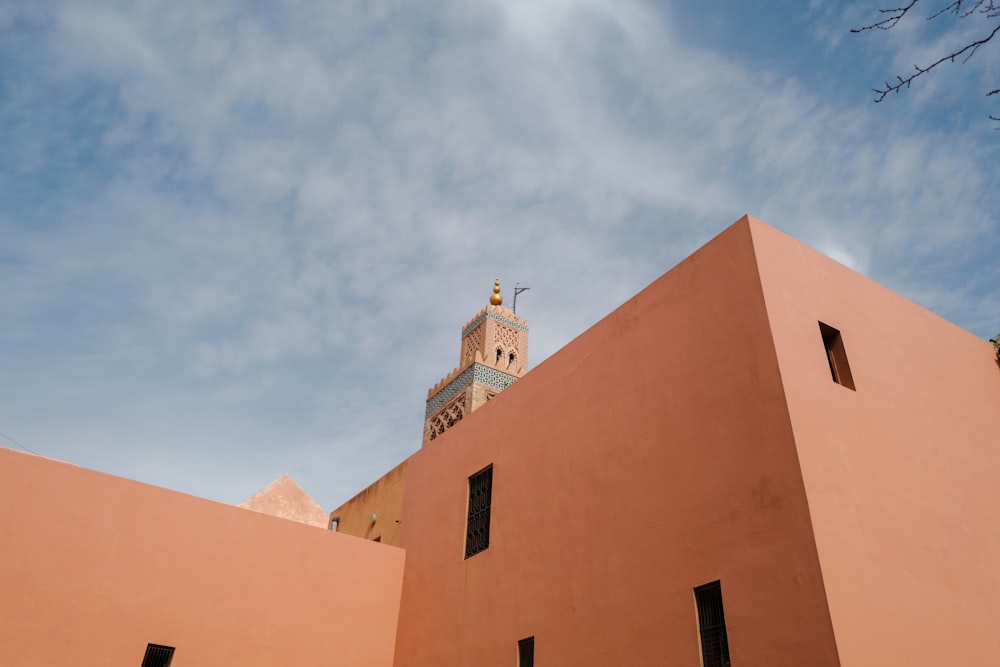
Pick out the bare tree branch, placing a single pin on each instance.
(987, 9)
(972, 47)
(894, 16)
(956, 9)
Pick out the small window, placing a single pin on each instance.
(335, 523)
(712, 625)
(477, 529)
(158, 656)
(526, 652)
(836, 356)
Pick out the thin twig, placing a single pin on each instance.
(972, 47)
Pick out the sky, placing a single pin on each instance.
(240, 239)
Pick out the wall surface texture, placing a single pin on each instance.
(94, 567)
(695, 434)
(382, 499)
(651, 455)
(901, 473)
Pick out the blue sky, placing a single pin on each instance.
(239, 239)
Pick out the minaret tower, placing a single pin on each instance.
(494, 356)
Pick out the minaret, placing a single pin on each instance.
(494, 355)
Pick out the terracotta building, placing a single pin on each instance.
(284, 498)
(761, 459)
(494, 354)
(101, 571)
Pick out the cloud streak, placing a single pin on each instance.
(242, 242)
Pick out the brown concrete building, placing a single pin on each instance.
(761, 459)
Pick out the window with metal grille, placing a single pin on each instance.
(836, 356)
(477, 530)
(526, 652)
(158, 656)
(712, 625)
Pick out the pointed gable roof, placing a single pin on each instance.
(285, 499)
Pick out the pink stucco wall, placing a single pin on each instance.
(901, 474)
(649, 456)
(94, 567)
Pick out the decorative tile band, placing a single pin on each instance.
(491, 377)
(449, 391)
(474, 373)
(503, 320)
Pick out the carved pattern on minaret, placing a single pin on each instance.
(494, 354)
(472, 342)
(450, 414)
(479, 373)
(447, 392)
(496, 318)
(508, 338)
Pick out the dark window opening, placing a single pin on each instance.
(335, 523)
(510, 360)
(477, 530)
(526, 652)
(712, 625)
(499, 355)
(158, 656)
(836, 356)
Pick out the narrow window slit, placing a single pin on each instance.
(712, 625)
(526, 652)
(477, 529)
(158, 656)
(836, 356)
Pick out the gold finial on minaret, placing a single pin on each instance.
(496, 299)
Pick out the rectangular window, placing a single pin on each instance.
(477, 530)
(335, 523)
(526, 652)
(712, 625)
(158, 656)
(836, 356)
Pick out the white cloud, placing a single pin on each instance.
(286, 217)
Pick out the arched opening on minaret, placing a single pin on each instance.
(478, 378)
